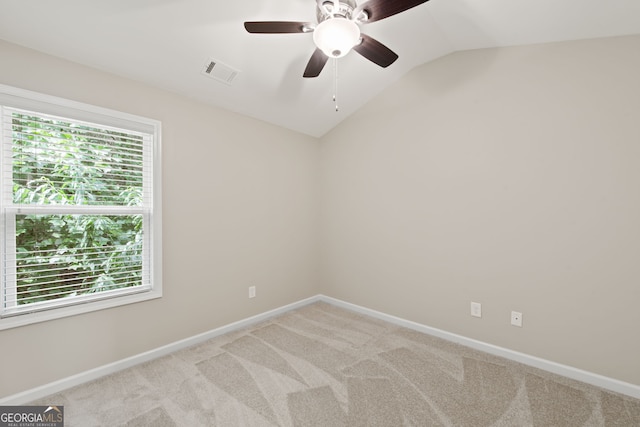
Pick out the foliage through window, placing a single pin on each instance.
(77, 202)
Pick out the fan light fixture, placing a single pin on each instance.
(338, 30)
(336, 36)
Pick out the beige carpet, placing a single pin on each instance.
(325, 366)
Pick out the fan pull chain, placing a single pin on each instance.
(335, 82)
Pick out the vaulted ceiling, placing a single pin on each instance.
(168, 44)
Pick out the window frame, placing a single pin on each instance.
(12, 97)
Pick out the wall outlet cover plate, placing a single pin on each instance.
(516, 319)
(476, 309)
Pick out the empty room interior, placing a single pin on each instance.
(481, 190)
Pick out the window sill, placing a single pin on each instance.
(73, 310)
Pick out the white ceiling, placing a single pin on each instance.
(167, 43)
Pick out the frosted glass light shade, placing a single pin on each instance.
(336, 36)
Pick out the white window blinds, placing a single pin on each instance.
(77, 205)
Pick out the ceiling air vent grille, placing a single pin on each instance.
(219, 71)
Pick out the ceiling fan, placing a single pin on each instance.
(338, 30)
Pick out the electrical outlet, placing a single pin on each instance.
(476, 309)
(252, 291)
(516, 319)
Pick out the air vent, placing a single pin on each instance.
(219, 71)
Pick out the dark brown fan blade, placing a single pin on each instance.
(375, 51)
(277, 27)
(315, 64)
(380, 9)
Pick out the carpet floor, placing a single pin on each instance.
(325, 366)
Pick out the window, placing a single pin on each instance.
(80, 208)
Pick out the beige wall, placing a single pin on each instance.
(503, 176)
(240, 209)
(509, 177)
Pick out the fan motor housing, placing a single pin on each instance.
(325, 10)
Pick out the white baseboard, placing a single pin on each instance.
(607, 383)
(101, 371)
